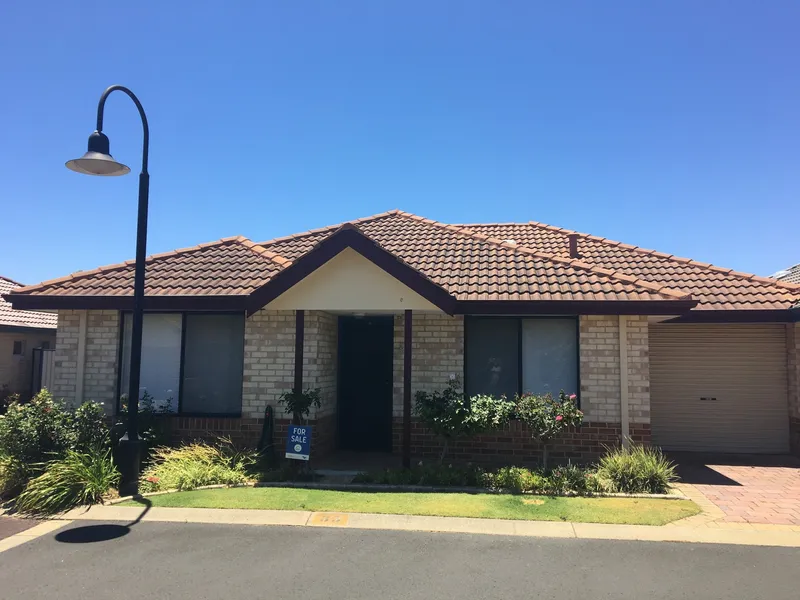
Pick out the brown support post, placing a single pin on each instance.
(299, 335)
(407, 391)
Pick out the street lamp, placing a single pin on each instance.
(98, 161)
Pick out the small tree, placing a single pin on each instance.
(451, 416)
(299, 403)
(547, 417)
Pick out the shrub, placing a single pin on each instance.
(547, 417)
(299, 404)
(153, 429)
(571, 479)
(6, 398)
(636, 469)
(516, 480)
(35, 432)
(78, 478)
(13, 476)
(450, 416)
(195, 465)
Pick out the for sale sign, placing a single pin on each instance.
(298, 442)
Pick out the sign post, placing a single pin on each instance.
(298, 442)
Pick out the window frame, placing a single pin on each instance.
(519, 319)
(180, 412)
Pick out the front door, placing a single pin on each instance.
(365, 383)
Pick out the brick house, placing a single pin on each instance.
(373, 310)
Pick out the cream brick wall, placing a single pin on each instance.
(100, 366)
(437, 351)
(793, 358)
(65, 360)
(320, 358)
(102, 348)
(638, 369)
(600, 369)
(268, 361)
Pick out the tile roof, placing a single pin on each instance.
(714, 288)
(22, 318)
(790, 275)
(472, 266)
(527, 261)
(228, 267)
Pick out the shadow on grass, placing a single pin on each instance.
(89, 534)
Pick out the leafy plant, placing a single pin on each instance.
(152, 427)
(299, 403)
(547, 417)
(13, 476)
(636, 469)
(6, 398)
(197, 464)
(36, 431)
(450, 416)
(77, 478)
(515, 480)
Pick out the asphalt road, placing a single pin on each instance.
(236, 562)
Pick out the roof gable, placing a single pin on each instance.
(11, 317)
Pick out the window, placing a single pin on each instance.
(191, 363)
(507, 356)
(19, 348)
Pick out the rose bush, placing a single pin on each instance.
(546, 417)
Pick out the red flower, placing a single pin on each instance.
(152, 479)
(559, 418)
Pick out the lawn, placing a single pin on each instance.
(631, 511)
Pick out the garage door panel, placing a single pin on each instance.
(742, 366)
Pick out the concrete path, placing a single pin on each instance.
(787, 537)
(238, 562)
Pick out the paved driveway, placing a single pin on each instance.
(764, 490)
(11, 525)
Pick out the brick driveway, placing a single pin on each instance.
(756, 490)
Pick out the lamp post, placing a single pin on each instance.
(98, 161)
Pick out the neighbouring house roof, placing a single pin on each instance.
(11, 317)
(790, 275)
(474, 265)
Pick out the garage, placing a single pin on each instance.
(719, 388)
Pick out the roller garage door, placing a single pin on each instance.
(719, 388)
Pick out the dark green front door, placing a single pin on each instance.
(365, 383)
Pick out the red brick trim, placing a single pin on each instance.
(514, 444)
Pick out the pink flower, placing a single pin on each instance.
(559, 418)
(153, 479)
(572, 397)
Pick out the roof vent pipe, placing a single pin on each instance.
(573, 245)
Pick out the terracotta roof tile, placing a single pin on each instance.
(231, 266)
(715, 288)
(527, 261)
(22, 318)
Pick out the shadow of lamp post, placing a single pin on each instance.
(98, 161)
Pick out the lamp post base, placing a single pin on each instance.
(129, 460)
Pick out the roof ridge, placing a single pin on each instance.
(688, 261)
(15, 282)
(123, 265)
(264, 252)
(573, 262)
(303, 234)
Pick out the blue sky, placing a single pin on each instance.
(670, 125)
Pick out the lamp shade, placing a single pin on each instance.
(98, 160)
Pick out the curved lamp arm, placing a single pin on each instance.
(101, 107)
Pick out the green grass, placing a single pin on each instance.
(632, 511)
